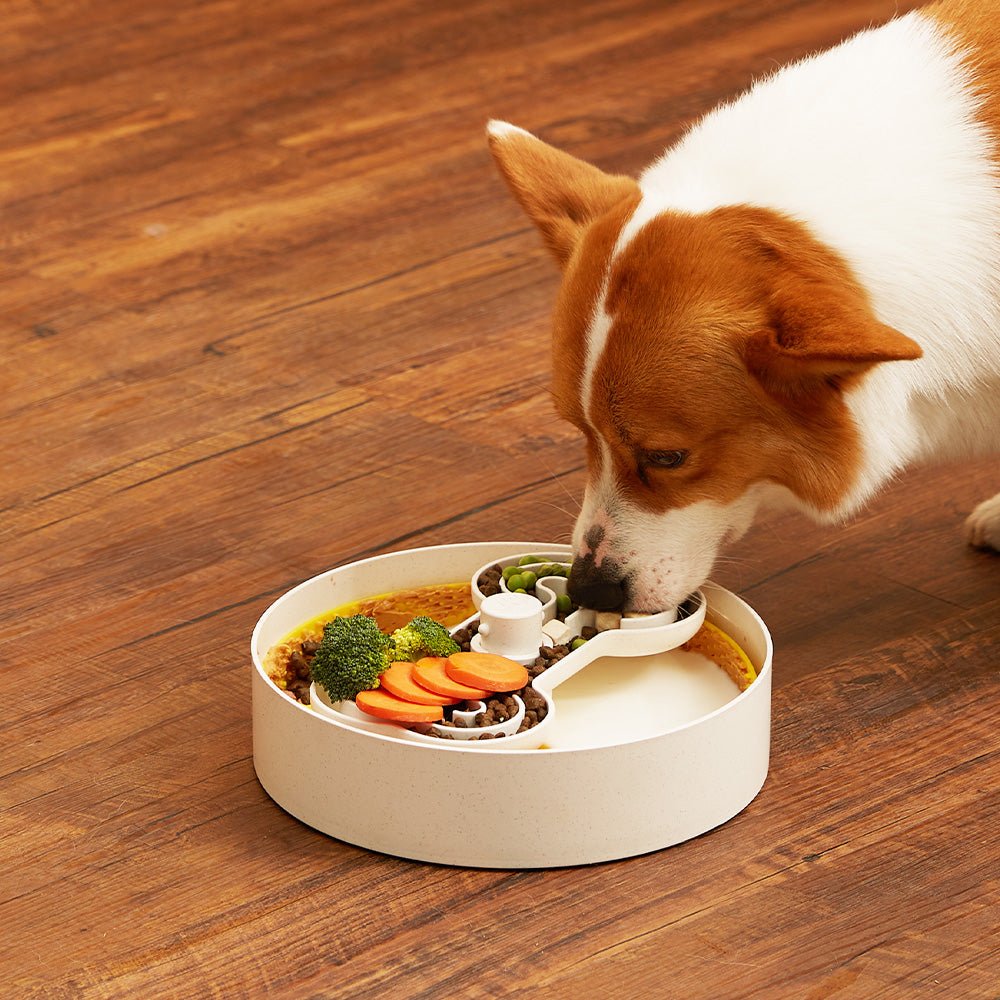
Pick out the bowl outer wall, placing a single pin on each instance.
(495, 808)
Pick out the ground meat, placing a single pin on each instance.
(298, 675)
(489, 580)
(464, 636)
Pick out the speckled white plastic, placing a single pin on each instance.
(573, 805)
(510, 625)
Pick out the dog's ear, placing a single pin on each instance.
(818, 334)
(560, 193)
(820, 324)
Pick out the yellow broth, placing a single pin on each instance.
(447, 603)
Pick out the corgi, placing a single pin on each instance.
(793, 303)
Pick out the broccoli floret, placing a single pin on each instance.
(351, 656)
(423, 637)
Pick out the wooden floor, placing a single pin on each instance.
(267, 308)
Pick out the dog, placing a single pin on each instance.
(793, 303)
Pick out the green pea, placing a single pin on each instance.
(515, 582)
(509, 571)
(528, 560)
(563, 603)
(577, 643)
(528, 579)
(520, 590)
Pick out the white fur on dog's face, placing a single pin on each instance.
(661, 557)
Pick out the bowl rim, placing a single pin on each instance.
(763, 674)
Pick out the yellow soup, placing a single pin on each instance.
(447, 603)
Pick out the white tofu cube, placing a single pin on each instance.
(558, 632)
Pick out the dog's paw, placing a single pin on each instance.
(982, 526)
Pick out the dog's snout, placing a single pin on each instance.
(600, 588)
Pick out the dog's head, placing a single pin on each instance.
(704, 357)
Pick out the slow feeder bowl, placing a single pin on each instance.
(678, 752)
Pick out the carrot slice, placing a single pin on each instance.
(398, 680)
(496, 673)
(430, 673)
(383, 705)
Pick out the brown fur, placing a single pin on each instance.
(561, 194)
(734, 335)
(581, 287)
(975, 27)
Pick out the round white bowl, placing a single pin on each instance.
(568, 805)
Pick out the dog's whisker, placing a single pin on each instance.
(555, 506)
(558, 478)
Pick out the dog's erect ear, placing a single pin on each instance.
(560, 193)
(822, 333)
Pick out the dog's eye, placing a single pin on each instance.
(665, 459)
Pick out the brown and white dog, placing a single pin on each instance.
(796, 301)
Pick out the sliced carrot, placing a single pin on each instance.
(430, 673)
(383, 705)
(398, 680)
(495, 673)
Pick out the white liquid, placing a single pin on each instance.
(620, 699)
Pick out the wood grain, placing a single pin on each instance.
(267, 308)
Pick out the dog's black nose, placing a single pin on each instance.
(600, 588)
